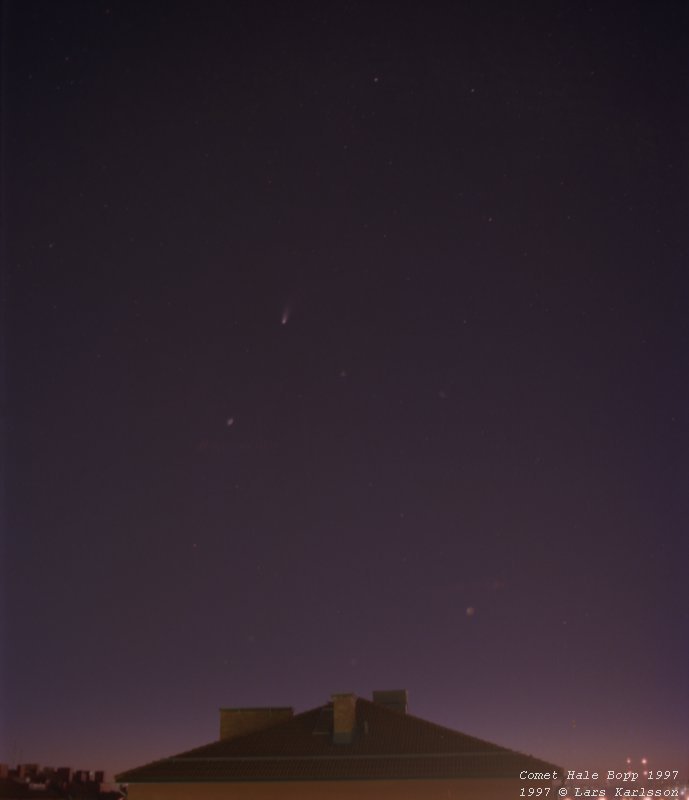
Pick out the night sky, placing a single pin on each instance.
(345, 347)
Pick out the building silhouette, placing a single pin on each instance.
(347, 748)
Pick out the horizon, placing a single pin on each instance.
(638, 760)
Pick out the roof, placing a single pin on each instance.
(387, 745)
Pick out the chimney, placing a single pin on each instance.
(344, 718)
(240, 721)
(394, 699)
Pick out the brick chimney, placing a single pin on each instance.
(239, 721)
(344, 717)
(394, 699)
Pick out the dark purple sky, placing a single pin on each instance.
(346, 347)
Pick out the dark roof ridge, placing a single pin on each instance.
(451, 731)
(433, 725)
(282, 723)
(338, 756)
(256, 708)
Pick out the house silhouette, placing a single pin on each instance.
(347, 748)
